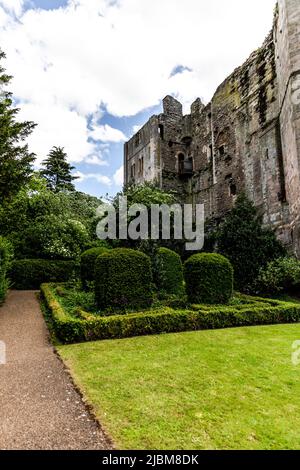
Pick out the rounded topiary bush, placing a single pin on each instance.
(87, 264)
(123, 280)
(168, 271)
(209, 279)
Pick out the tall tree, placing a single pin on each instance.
(58, 172)
(15, 159)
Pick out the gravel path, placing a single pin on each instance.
(39, 406)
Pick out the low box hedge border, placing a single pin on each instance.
(87, 328)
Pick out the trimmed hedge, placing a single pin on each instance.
(87, 264)
(5, 256)
(27, 274)
(169, 271)
(90, 328)
(123, 280)
(209, 279)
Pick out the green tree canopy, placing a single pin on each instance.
(146, 193)
(40, 222)
(15, 159)
(57, 171)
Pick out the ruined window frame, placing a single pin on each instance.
(161, 131)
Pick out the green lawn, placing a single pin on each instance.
(219, 389)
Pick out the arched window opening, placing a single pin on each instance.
(222, 150)
(141, 166)
(187, 140)
(161, 131)
(185, 165)
(189, 165)
(233, 189)
(132, 171)
(210, 152)
(181, 158)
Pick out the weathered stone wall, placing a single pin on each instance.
(247, 139)
(142, 153)
(287, 45)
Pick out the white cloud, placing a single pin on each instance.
(95, 160)
(4, 17)
(13, 6)
(103, 179)
(107, 133)
(58, 126)
(119, 176)
(71, 63)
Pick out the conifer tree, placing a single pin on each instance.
(15, 159)
(57, 171)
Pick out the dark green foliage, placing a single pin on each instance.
(15, 159)
(5, 258)
(123, 280)
(280, 276)
(87, 264)
(52, 237)
(31, 273)
(209, 279)
(168, 271)
(72, 330)
(58, 172)
(44, 224)
(244, 241)
(146, 193)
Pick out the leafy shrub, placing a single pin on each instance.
(281, 275)
(168, 271)
(209, 279)
(248, 246)
(87, 264)
(123, 280)
(53, 238)
(91, 327)
(31, 273)
(5, 257)
(35, 206)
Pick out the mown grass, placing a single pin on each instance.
(218, 389)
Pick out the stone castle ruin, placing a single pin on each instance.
(247, 139)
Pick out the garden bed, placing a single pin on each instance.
(73, 323)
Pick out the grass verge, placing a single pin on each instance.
(222, 389)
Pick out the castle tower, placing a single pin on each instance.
(287, 47)
(247, 139)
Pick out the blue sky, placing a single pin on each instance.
(49, 4)
(90, 72)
